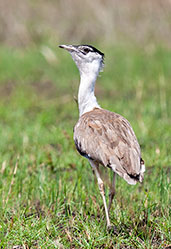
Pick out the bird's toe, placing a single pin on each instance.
(113, 229)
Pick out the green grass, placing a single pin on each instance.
(48, 196)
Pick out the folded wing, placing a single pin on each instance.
(109, 139)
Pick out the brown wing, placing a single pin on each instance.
(108, 138)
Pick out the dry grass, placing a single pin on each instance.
(141, 22)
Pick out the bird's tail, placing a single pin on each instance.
(142, 170)
(131, 178)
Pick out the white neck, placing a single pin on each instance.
(86, 98)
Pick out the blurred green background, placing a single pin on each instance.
(48, 197)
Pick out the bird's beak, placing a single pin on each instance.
(69, 48)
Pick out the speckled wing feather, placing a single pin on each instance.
(109, 139)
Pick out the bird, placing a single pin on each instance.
(105, 138)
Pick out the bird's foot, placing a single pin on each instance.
(112, 229)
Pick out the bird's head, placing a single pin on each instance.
(88, 59)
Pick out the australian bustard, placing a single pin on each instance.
(103, 137)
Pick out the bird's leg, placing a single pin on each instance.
(101, 188)
(112, 191)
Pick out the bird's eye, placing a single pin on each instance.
(86, 50)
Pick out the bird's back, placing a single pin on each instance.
(108, 138)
